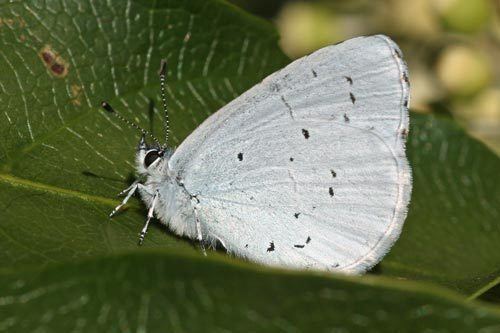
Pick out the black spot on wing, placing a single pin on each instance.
(405, 103)
(314, 73)
(271, 247)
(240, 156)
(349, 79)
(300, 246)
(334, 174)
(346, 118)
(351, 96)
(291, 159)
(296, 215)
(246, 245)
(305, 133)
(330, 191)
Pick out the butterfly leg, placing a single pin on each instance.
(131, 190)
(150, 215)
(134, 184)
(221, 243)
(198, 232)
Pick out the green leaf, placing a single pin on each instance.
(150, 291)
(62, 161)
(452, 233)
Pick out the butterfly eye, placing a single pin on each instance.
(151, 157)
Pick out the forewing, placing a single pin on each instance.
(307, 168)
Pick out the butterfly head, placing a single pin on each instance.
(151, 159)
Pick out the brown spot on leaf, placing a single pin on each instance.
(47, 57)
(13, 22)
(9, 22)
(76, 92)
(56, 65)
(58, 69)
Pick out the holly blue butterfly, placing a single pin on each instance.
(307, 169)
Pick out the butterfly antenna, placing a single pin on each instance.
(109, 109)
(163, 72)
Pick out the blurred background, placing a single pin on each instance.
(452, 48)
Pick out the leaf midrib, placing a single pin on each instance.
(41, 187)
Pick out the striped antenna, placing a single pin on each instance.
(109, 109)
(162, 73)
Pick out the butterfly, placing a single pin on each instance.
(307, 169)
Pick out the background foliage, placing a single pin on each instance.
(65, 266)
